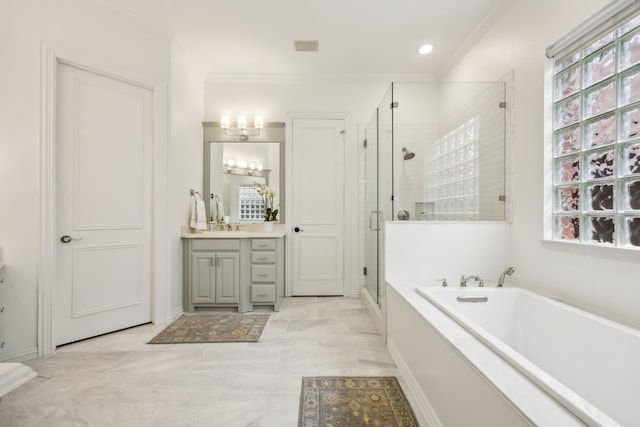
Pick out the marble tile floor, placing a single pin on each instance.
(119, 380)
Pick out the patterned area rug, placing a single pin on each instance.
(354, 402)
(201, 328)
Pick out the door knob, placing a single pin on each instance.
(298, 229)
(67, 239)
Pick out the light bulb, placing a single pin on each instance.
(224, 121)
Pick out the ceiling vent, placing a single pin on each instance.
(306, 45)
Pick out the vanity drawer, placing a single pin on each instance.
(263, 257)
(263, 273)
(263, 244)
(263, 293)
(215, 245)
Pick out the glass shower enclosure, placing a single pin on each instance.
(432, 152)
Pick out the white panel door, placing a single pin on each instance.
(103, 206)
(318, 206)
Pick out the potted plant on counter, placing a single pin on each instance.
(270, 214)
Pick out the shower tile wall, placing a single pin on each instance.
(410, 175)
(481, 120)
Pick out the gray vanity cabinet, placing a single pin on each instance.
(238, 272)
(267, 272)
(212, 273)
(216, 278)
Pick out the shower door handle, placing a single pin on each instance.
(378, 215)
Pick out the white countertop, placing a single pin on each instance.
(247, 231)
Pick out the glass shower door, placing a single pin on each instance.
(371, 212)
(386, 136)
(378, 183)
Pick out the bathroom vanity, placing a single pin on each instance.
(239, 269)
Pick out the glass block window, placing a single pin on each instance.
(454, 173)
(251, 203)
(596, 140)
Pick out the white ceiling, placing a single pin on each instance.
(356, 37)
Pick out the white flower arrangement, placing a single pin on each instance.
(270, 214)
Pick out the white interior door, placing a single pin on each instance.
(103, 205)
(318, 206)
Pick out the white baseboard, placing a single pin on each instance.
(424, 407)
(175, 313)
(365, 295)
(372, 307)
(21, 356)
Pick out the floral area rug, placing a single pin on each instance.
(354, 402)
(203, 328)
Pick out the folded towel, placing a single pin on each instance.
(198, 213)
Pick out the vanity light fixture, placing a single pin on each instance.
(241, 128)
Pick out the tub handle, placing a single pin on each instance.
(472, 298)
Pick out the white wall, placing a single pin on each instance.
(274, 97)
(421, 252)
(603, 281)
(185, 160)
(84, 28)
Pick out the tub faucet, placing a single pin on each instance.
(507, 271)
(464, 280)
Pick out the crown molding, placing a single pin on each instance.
(474, 37)
(317, 78)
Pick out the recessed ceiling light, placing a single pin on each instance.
(425, 49)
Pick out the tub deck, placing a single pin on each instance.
(585, 362)
(459, 380)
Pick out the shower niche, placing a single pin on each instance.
(433, 152)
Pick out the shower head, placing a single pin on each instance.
(408, 155)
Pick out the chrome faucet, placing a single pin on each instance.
(507, 271)
(464, 280)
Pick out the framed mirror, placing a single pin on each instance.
(235, 173)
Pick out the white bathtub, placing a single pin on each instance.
(590, 365)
